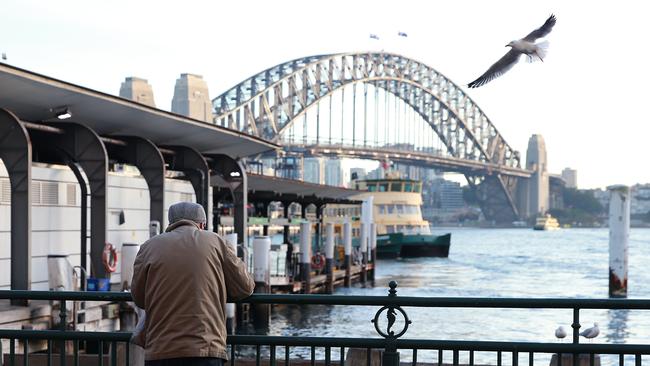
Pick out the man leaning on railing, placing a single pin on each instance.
(183, 278)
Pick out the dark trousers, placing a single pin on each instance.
(187, 361)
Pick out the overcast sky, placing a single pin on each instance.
(587, 99)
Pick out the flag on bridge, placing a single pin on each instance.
(402, 34)
(374, 36)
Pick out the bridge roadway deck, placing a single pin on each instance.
(446, 163)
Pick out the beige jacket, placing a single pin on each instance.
(183, 278)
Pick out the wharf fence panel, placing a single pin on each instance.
(391, 346)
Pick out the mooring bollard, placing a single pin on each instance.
(619, 236)
(231, 325)
(329, 257)
(261, 274)
(305, 256)
(363, 245)
(347, 250)
(373, 251)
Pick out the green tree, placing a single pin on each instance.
(580, 208)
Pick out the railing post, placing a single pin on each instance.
(576, 326)
(576, 335)
(63, 319)
(390, 356)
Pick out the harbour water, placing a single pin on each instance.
(568, 263)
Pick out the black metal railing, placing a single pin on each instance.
(246, 350)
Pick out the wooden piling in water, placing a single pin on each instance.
(262, 276)
(363, 244)
(372, 245)
(619, 236)
(347, 250)
(305, 256)
(329, 257)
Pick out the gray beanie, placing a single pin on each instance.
(186, 211)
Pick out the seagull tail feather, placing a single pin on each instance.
(542, 50)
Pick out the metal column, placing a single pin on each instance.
(16, 153)
(147, 158)
(194, 165)
(232, 171)
(85, 147)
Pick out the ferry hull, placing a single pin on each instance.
(410, 246)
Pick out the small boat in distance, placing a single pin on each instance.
(401, 231)
(546, 222)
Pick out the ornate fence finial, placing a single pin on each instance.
(392, 292)
(391, 316)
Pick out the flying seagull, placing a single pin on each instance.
(525, 46)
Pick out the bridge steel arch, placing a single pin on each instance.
(268, 103)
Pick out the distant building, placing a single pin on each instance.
(138, 90)
(640, 202)
(191, 98)
(450, 194)
(313, 170)
(603, 197)
(334, 175)
(357, 173)
(376, 173)
(570, 176)
(442, 200)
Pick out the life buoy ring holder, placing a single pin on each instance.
(109, 258)
(317, 262)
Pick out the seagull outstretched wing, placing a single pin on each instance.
(541, 31)
(499, 68)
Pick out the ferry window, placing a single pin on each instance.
(407, 187)
(411, 209)
(372, 188)
(400, 209)
(390, 229)
(396, 187)
(391, 209)
(383, 187)
(400, 228)
(416, 187)
(382, 209)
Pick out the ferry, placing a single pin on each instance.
(401, 231)
(546, 222)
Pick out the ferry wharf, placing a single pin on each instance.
(86, 177)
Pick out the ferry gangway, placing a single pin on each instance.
(267, 350)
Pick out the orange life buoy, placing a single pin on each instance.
(109, 258)
(317, 262)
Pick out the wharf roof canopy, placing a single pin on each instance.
(262, 187)
(35, 98)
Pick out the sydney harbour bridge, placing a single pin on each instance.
(380, 106)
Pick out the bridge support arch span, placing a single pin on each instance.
(267, 104)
